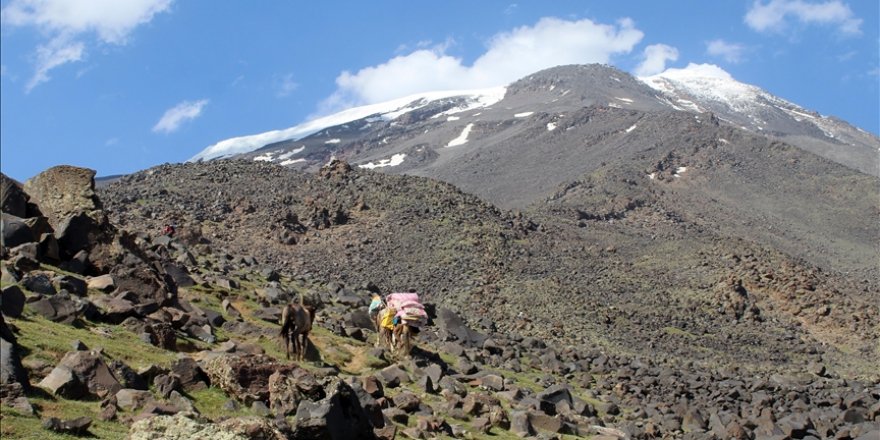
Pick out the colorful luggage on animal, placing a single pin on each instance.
(388, 315)
(408, 307)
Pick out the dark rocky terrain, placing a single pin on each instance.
(622, 265)
(542, 324)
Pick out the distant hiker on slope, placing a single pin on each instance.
(168, 230)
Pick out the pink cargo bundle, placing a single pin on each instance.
(408, 308)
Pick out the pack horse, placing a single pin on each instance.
(296, 323)
(399, 321)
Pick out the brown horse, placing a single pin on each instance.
(296, 323)
(401, 339)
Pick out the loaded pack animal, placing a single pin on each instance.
(399, 321)
(296, 323)
(402, 337)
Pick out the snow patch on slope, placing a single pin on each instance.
(290, 153)
(462, 138)
(395, 160)
(292, 161)
(265, 157)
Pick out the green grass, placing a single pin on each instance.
(49, 341)
(675, 331)
(334, 349)
(210, 401)
(18, 426)
(51, 268)
(449, 359)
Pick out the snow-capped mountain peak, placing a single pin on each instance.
(708, 83)
(386, 110)
(416, 131)
(708, 88)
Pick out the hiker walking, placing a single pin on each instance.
(168, 230)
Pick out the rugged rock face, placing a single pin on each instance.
(13, 200)
(81, 373)
(63, 191)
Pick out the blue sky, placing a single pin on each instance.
(120, 86)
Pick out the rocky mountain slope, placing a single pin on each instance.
(398, 233)
(748, 158)
(175, 337)
(626, 267)
(424, 127)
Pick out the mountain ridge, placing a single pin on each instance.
(700, 89)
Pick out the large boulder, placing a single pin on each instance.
(13, 199)
(146, 285)
(192, 377)
(62, 308)
(130, 400)
(179, 427)
(335, 417)
(66, 196)
(77, 232)
(80, 373)
(12, 301)
(39, 282)
(104, 283)
(179, 275)
(452, 326)
(113, 310)
(63, 191)
(287, 390)
(244, 377)
(11, 370)
(555, 399)
(15, 231)
(72, 284)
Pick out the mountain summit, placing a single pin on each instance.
(438, 120)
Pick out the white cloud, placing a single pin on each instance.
(509, 56)
(177, 115)
(66, 22)
(656, 56)
(730, 52)
(49, 56)
(773, 15)
(286, 85)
